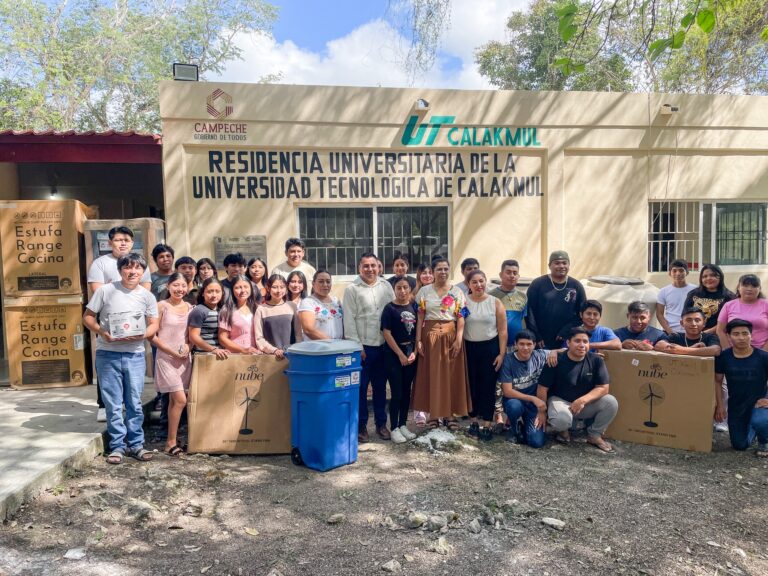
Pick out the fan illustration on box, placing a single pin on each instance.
(246, 397)
(651, 393)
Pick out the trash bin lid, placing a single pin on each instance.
(324, 347)
(617, 280)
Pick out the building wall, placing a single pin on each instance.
(602, 158)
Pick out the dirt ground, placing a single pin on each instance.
(642, 510)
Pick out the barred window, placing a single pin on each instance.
(724, 233)
(337, 237)
(740, 234)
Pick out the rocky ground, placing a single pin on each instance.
(490, 508)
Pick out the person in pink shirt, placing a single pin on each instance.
(236, 318)
(750, 305)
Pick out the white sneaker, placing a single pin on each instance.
(397, 436)
(101, 415)
(407, 433)
(721, 426)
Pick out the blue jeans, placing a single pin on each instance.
(374, 372)
(121, 375)
(516, 409)
(743, 431)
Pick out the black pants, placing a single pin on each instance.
(482, 376)
(400, 380)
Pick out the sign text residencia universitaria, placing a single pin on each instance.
(351, 175)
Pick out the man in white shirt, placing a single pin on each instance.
(103, 270)
(364, 301)
(670, 300)
(294, 260)
(127, 315)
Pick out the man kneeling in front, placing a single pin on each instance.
(746, 370)
(578, 388)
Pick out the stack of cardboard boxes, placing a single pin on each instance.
(47, 248)
(43, 288)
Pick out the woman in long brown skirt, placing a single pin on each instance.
(441, 374)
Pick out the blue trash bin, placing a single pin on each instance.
(324, 376)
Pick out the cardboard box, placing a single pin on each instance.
(664, 400)
(147, 233)
(241, 405)
(42, 247)
(46, 341)
(127, 324)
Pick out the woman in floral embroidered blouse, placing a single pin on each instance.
(320, 313)
(441, 377)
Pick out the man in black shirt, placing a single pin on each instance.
(694, 341)
(745, 370)
(578, 388)
(554, 302)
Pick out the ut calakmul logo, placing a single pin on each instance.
(219, 104)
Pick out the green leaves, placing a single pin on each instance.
(764, 34)
(687, 20)
(567, 66)
(705, 18)
(658, 47)
(678, 39)
(566, 27)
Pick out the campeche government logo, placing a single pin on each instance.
(219, 104)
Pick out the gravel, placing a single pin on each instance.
(642, 510)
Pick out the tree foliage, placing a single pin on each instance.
(695, 46)
(528, 59)
(96, 64)
(698, 46)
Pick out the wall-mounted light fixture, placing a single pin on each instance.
(54, 192)
(668, 109)
(185, 72)
(421, 104)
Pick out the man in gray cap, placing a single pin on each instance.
(554, 301)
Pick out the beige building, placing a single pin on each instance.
(623, 182)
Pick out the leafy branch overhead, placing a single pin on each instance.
(656, 29)
(691, 46)
(96, 64)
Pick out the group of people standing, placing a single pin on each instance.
(184, 308)
(492, 353)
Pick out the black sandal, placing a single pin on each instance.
(174, 452)
(452, 425)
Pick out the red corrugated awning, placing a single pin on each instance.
(88, 147)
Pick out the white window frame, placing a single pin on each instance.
(711, 256)
(375, 225)
(713, 233)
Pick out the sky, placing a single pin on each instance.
(355, 43)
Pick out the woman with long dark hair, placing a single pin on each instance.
(276, 322)
(236, 317)
(173, 367)
(256, 272)
(710, 296)
(297, 287)
(441, 374)
(751, 305)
